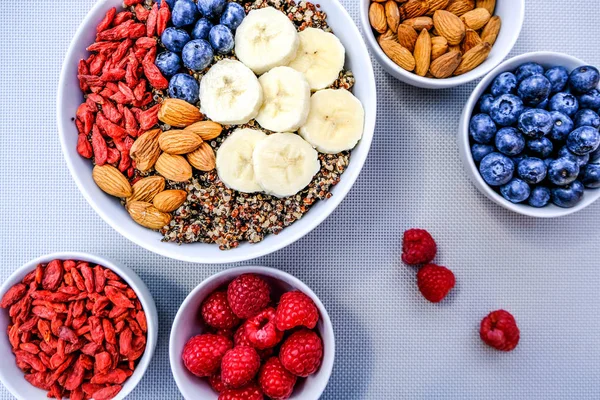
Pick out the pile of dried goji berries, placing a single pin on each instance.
(117, 80)
(76, 330)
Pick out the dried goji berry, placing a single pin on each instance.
(103, 47)
(90, 104)
(126, 90)
(100, 305)
(109, 110)
(125, 161)
(119, 98)
(137, 31)
(125, 341)
(44, 358)
(13, 335)
(25, 337)
(131, 125)
(107, 393)
(164, 16)
(110, 129)
(73, 347)
(96, 329)
(30, 277)
(141, 13)
(55, 325)
(113, 75)
(106, 92)
(68, 278)
(115, 376)
(117, 297)
(67, 335)
(140, 90)
(113, 155)
(44, 312)
(99, 146)
(28, 325)
(136, 354)
(122, 17)
(38, 379)
(139, 53)
(117, 284)
(78, 279)
(121, 51)
(151, 21)
(128, 3)
(75, 378)
(14, 294)
(150, 56)
(111, 275)
(83, 69)
(84, 148)
(149, 118)
(57, 297)
(107, 20)
(102, 363)
(119, 32)
(52, 275)
(77, 394)
(84, 331)
(99, 278)
(30, 359)
(30, 348)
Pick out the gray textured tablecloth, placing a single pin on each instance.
(391, 343)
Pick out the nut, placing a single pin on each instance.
(392, 14)
(471, 40)
(178, 113)
(476, 19)
(459, 7)
(179, 142)
(398, 54)
(145, 150)
(111, 181)
(449, 26)
(489, 5)
(445, 65)
(473, 58)
(173, 167)
(203, 158)
(491, 29)
(435, 5)
(147, 215)
(389, 35)
(419, 23)
(439, 46)
(422, 53)
(377, 17)
(413, 9)
(407, 36)
(146, 188)
(207, 130)
(169, 200)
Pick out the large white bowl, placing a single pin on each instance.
(546, 59)
(13, 378)
(187, 325)
(109, 208)
(511, 12)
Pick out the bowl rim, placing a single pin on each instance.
(229, 256)
(126, 274)
(550, 211)
(327, 364)
(433, 83)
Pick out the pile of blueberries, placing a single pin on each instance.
(536, 135)
(199, 31)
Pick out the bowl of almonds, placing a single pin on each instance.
(436, 44)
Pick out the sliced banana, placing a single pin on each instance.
(284, 164)
(265, 39)
(230, 93)
(286, 100)
(320, 57)
(234, 160)
(335, 122)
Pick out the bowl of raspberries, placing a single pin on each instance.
(529, 135)
(252, 333)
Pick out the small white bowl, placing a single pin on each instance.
(13, 378)
(187, 324)
(547, 60)
(512, 14)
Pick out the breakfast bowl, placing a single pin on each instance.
(189, 322)
(13, 377)
(511, 14)
(550, 210)
(178, 245)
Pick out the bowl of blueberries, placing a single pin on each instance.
(529, 135)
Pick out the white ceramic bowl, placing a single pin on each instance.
(12, 377)
(511, 12)
(546, 59)
(187, 325)
(109, 208)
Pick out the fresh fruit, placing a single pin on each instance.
(216, 383)
(569, 195)
(168, 63)
(499, 330)
(250, 392)
(505, 109)
(509, 141)
(515, 191)
(583, 79)
(581, 160)
(184, 13)
(496, 169)
(535, 123)
(418, 247)
(534, 89)
(221, 39)
(202, 354)
(302, 353)
(478, 151)
(239, 366)
(216, 312)
(234, 160)
(147, 215)
(261, 331)
(211, 9)
(539, 197)
(528, 69)
(178, 113)
(541, 147)
(558, 77)
(562, 171)
(435, 282)
(583, 140)
(174, 39)
(111, 181)
(275, 381)
(248, 295)
(233, 16)
(184, 87)
(562, 125)
(482, 129)
(586, 117)
(202, 29)
(590, 100)
(591, 176)
(505, 83)
(197, 54)
(565, 103)
(296, 309)
(532, 170)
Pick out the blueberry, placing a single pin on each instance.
(587, 117)
(565, 103)
(221, 39)
(532, 170)
(591, 176)
(583, 140)
(535, 123)
(561, 127)
(505, 109)
(518, 158)
(528, 69)
(584, 79)
(168, 63)
(482, 129)
(562, 171)
(544, 104)
(541, 147)
(184, 13)
(590, 100)
(534, 89)
(548, 161)
(509, 141)
(568, 196)
(201, 29)
(184, 87)
(174, 39)
(515, 191)
(595, 156)
(197, 55)
(481, 150)
(504, 83)
(580, 160)
(539, 197)
(496, 169)
(558, 77)
(232, 16)
(211, 9)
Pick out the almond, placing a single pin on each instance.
(399, 54)
(389, 35)
(207, 130)
(476, 19)
(445, 65)
(377, 17)
(179, 142)
(392, 14)
(169, 200)
(419, 23)
(111, 180)
(407, 36)
(449, 26)
(471, 40)
(413, 9)
(178, 113)
(439, 46)
(459, 7)
(455, 47)
(473, 58)
(435, 5)
(422, 53)
(203, 158)
(147, 215)
(146, 188)
(145, 150)
(173, 167)
(491, 29)
(489, 5)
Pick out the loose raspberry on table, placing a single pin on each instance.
(202, 354)
(418, 247)
(250, 392)
(302, 353)
(435, 282)
(499, 330)
(216, 312)
(275, 381)
(296, 309)
(248, 295)
(261, 331)
(216, 383)
(239, 366)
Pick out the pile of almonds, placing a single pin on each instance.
(435, 38)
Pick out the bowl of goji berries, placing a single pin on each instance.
(252, 333)
(77, 326)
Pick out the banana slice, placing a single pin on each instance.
(266, 39)
(320, 57)
(230, 93)
(234, 160)
(286, 100)
(284, 164)
(335, 122)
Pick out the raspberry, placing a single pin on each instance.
(248, 295)
(499, 330)
(239, 366)
(228, 333)
(275, 381)
(241, 339)
(261, 331)
(202, 354)
(216, 312)
(216, 383)
(418, 247)
(296, 309)
(301, 353)
(250, 392)
(435, 282)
